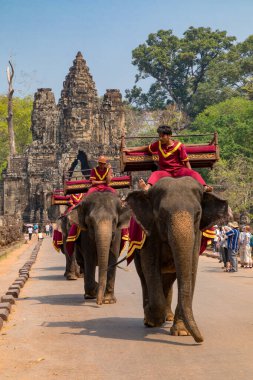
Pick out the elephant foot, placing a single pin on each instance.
(170, 316)
(71, 277)
(148, 323)
(80, 275)
(90, 294)
(109, 299)
(153, 322)
(179, 329)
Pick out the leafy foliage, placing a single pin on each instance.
(233, 120)
(22, 109)
(235, 178)
(202, 68)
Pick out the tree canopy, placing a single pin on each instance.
(233, 120)
(202, 68)
(22, 108)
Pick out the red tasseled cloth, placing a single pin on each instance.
(57, 241)
(73, 235)
(137, 238)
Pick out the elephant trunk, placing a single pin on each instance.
(103, 235)
(182, 236)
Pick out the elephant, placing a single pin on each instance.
(101, 217)
(74, 264)
(172, 213)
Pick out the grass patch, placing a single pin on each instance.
(6, 250)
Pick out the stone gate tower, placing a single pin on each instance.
(66, 136)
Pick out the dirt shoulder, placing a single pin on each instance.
(12, 258)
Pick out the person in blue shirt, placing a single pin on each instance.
(233, 240)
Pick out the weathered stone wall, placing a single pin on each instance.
(10, 230)
(78, 104)
(66, 137)
(45, 117)
(112, 118)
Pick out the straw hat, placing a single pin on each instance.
(233, 224)
(102, 159)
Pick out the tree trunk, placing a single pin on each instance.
(10, 112)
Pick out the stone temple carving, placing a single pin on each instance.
(66, 136)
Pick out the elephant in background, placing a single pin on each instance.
(74, 264)
(172, 213)
(101, 217)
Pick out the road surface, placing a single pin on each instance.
(53, 334)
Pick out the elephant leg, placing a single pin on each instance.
(155, 309)
(79, 259)
(90, 285)
(137, 262)
(70, 272)
(168, 280)
(109, 296)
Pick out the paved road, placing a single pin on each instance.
(53, 334)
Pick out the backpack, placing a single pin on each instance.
(251, 241)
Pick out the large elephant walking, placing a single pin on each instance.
(173, 213)
(101, 217)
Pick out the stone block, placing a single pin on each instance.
(24, 271)
(27, 266)
(14, 287)
(13, 292)
(4, 313)
(5, 305)
(8, 298)
(19, 283)
(24, 275)
(1, 323)
(23, 278)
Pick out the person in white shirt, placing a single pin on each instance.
(30, 232)
(47, 227)
(245, 249)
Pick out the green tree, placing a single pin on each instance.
(233, 120)
(235, 179)
(202, 68)
(22, 108)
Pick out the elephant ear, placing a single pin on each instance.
(124, 217)
(214, 210)
(140, 203)
(73, 216)
(76, 216)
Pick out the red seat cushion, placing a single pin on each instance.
(61, 197)
(190, 149)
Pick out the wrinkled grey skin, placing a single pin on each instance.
(74, 264)
(172, 213)
(101, 218)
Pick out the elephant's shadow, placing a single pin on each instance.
(122, 329)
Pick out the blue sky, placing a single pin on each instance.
(42, 37)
